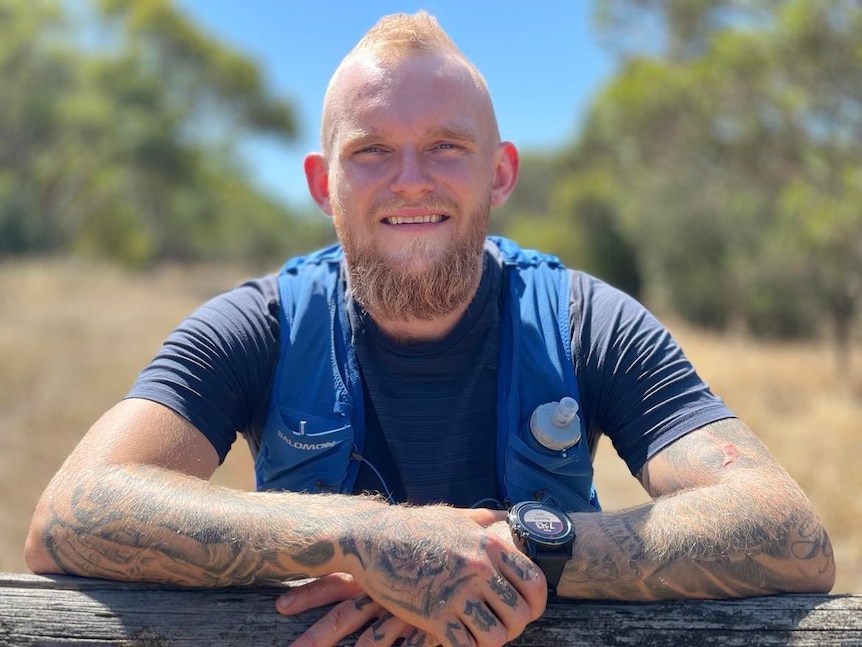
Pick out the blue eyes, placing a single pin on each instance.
(443, 146)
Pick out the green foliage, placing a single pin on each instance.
(127, 150)
(733, 143)
(567, 213)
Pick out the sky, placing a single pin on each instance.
(542, 62)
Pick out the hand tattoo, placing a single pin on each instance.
(318, 554)
(502, 588)
(481, 615)
(457, 634)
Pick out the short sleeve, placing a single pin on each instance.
(215, 369)
(636, 384)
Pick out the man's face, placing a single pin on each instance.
(411, 172)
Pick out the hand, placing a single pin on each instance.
(354, 609)
(441, 571)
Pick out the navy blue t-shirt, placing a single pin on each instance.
(431, 406)
(432, 432)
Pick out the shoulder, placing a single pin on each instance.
(254, 302)
(259, 290)
(602, 308)
(613, 332)
(238, 325)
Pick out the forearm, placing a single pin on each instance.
(142, 523)
(714, 542)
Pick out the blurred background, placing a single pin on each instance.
(703, 155)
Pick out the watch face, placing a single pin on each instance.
(543, 522)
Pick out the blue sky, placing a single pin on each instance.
(541, 59)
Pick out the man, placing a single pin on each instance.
(418, 366)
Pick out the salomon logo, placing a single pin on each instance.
(306, 446)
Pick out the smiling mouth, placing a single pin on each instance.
(415, 220)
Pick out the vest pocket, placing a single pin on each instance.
(304, 453)
(536, 475)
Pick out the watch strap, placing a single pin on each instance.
(552, 563)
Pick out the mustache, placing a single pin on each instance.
(434, 203)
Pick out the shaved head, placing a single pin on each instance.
(393, 39)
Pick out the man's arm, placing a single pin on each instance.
(726, 521)
(131, 503)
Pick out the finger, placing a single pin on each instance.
(419, 638)
(484, 625)
(328, 589)
(341, 621)
(518, 593)
(502, 530)
(507, 606)
(483, 516)
(457, 635)
(384, 632)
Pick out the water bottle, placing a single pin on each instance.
(555, 425)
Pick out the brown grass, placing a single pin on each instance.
(73, 336)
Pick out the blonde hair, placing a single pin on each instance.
(398, 36)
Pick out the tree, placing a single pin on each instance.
(733, 139)
(126, 147)
(38, 71)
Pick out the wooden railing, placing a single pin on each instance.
(78, 611)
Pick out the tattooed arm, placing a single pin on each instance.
(725, 521)
(131, 503)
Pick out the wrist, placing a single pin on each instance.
(362, 529)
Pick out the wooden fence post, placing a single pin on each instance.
(66, 611)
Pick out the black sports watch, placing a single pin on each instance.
(546, 536)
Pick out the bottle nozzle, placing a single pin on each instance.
(567, 409)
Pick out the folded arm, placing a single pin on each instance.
(726, 521)
(132, 503)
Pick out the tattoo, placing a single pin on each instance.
(403, 557)
(348, 547)
(318, 554)
(419, 566)
(481, 615)
(502, 588)
(814, 544)
(143, 523)
(361, 602)
(457, 634)
(727, 522)
(378, 629)
(523, 568)
(624, 532)
(415, 638)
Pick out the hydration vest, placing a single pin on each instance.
(315, 425)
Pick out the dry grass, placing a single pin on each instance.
(73, 336)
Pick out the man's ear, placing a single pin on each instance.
(505, 173)
(317, 176)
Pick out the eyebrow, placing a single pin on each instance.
(453, 132)
(361, 136)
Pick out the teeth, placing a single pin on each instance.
(412, 220)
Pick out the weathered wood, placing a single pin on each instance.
(78, 611)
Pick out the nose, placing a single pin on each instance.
(411, 178)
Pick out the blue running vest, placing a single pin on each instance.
(316, 414)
